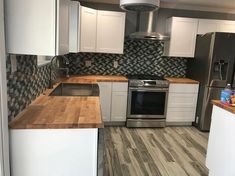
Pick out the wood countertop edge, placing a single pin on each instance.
(223, 106)
(174, 80)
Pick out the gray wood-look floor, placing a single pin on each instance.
(171, 151)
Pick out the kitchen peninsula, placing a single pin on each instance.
(58, 135)
(221, 154)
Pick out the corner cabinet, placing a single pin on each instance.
(45, 31)
(113, 98)
(110, 32)
(182, 102)
(88, 29)
(95, 30)
(182, 32)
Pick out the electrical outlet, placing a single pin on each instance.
(88, 63)
(115, 64)
(13, 63)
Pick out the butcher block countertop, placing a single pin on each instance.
(181, 80)
(223, 106)
(94, 79)
(59, 112)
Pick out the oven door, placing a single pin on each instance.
(147, 103)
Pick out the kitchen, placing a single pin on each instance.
(122, 103)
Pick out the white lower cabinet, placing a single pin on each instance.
(182, 102)
(119, 103)
(113, 98)
(54, 152)
(105, 99)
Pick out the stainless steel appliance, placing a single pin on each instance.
(213, 67)
(147, 101)
(144, 31)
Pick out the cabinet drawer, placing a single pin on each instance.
(120, 87)
(183, 88)
(182, 100)
(180, 115)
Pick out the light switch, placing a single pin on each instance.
(13, 63)
(115, 64)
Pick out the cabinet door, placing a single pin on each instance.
(32, 34)
(62, 42)
(110, 32)
(205, 26)
(119, 103)
(227, 26)
(74, 26)
(183, 32)
(105, 99)
(88, 29)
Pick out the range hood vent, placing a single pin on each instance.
(149, 6)
(139, 5)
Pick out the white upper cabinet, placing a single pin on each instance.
(183, 32)
(37, 27)
(74, 26)
(110, 32)
(88, 29)
(226, 26)
(96, 31)
(205, 26)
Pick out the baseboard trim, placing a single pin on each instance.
(115, 123)
(178, 123)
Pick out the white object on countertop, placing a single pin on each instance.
(54, 152)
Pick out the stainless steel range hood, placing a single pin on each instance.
(149, 33)
(149, 6)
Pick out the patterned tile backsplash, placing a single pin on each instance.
(25, 84)
(140, 57)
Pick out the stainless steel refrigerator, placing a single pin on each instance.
(213, 67)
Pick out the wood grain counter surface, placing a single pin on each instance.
(59, 112)
(94, 79)
(181, 80)
(223, 106)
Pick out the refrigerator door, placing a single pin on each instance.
(211, 93)
(222, 63)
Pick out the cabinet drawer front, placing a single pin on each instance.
(183, 88)
(180, 115)
(120, 87)
(182, 100)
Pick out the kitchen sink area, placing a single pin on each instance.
(75, 89)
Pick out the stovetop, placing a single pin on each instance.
(145, 77)
(147, 81)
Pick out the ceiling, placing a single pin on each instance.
(227, 6)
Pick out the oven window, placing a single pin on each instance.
(148, 103)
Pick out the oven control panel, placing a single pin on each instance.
(149, 83)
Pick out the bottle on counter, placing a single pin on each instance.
(227, 95)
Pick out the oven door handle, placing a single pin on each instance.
(148, 89)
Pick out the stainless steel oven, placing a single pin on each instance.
(147, 102)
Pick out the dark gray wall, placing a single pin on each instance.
(162, 15)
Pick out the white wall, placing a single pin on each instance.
(4, 144)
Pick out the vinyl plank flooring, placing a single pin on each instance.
(170, 151)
